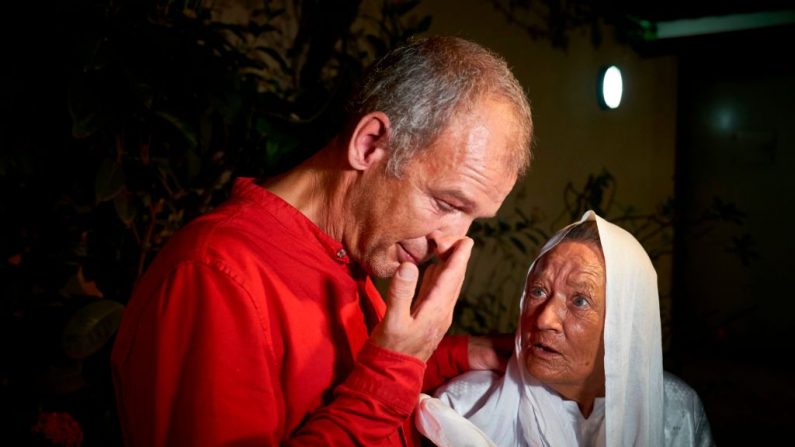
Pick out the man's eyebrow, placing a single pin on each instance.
(466, 202)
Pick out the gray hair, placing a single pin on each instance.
(586, 232)
(423, 85)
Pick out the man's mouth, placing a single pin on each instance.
(406, 256)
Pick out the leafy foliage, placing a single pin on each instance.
(121, 121)
(490, 297)
(555, 20)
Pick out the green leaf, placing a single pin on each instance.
(379, 46)
(205, 132)
(229, 106)
(83, 126)
(272, 151)
(109, 180)
(84, 121)
(519, 244)
(238, 30)
(184, 129)
(273, 54)
(82, 109)
(424, 25)
(194, 163)
(263, 126)
(124, 207)
(258, 30)
(403, 8)
(274, 13)
(91, 327)
(145, 94)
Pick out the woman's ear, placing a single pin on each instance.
(368, 143)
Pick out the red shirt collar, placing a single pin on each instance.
(246, 189)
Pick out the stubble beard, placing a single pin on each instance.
(378, 264)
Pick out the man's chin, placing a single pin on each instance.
(382, 270)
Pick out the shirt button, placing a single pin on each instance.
(341, 253)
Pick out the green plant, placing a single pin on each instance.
(505, 247)
(555, 20)
(122, 121)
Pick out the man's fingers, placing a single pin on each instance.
(419, 337)
(401, 290)
(440, 290)
(460, 254)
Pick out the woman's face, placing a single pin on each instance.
(563, 320)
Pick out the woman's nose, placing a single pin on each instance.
(550, 315)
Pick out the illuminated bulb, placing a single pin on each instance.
(610, 87)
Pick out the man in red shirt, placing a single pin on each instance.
(258, 324)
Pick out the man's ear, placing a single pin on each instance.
(368, 143)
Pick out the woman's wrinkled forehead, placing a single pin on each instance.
(552, 255)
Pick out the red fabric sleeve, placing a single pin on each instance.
(370, 405)
(206, 374)
(450, 359)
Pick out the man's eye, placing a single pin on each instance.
(444, 206)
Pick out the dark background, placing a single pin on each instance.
(122, 120)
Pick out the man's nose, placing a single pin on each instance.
(550, 315)
(444, 238)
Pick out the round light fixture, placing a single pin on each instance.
(610, 86)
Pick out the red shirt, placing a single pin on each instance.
(251, 327)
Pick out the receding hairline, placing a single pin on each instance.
(473, 71)
(516, 156)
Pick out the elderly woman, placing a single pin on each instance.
(587, 367)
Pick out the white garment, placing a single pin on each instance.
(686, 424)
(517, 410)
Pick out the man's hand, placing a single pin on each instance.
(418, 331)
(492, 352)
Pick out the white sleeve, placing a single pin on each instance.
(702, 434)
(465, 393)
(445, 427)
(686, 423)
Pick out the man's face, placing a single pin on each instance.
(462, 176)
(563, 320)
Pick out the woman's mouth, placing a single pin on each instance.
(544, 348)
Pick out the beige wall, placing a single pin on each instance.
(574, 137)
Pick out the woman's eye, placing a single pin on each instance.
(536, 292)
(580, 301)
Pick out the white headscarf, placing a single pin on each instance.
(516, 409)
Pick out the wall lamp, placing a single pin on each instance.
(609, 87)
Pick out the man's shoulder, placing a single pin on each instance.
(230, 230)
(232, 238)
(246, 244)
